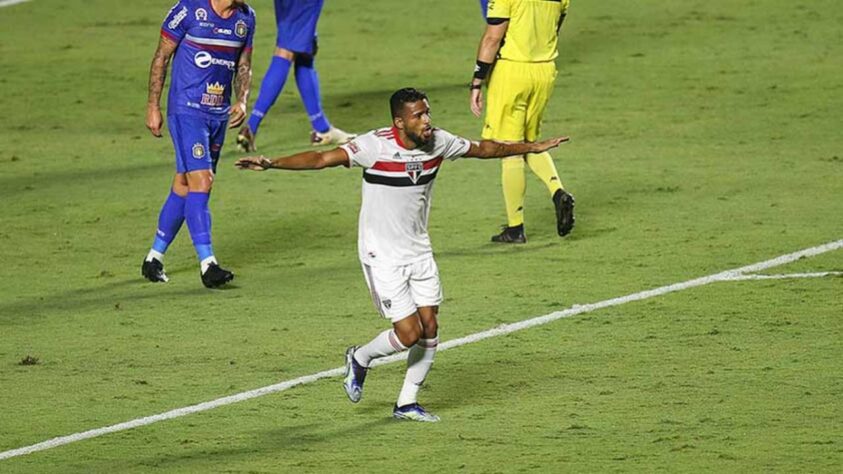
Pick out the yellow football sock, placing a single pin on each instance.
(514, 187)
(542, 165)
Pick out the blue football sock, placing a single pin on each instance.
(307, 81)
(271, 87)
(169, 222)
(198, 218)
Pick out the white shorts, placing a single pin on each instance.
(398, 291)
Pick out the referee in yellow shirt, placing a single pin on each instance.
(521, 40)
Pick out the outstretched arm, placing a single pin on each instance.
(309, 160)
(493, 149)
(157, 76)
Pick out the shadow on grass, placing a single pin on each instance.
(487, 249)
(72, 301)
(68, 177)
(306, 438)
(381, 96)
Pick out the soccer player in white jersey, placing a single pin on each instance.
(399, 165)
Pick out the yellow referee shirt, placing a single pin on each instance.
(533, 31)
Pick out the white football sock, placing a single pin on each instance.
(156, 255)
(419, 361)
(204, 264)
(384, 344)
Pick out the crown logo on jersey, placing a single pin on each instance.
(215, 88)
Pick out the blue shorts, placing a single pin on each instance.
(296, 21)
(197, 140)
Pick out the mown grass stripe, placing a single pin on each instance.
(728, 275)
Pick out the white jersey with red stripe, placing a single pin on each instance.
(397, 187)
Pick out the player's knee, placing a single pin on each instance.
(428, 316)
(409, 335)
(513, 163)
(430, 329)
(180, 190)
(180, 185)
(203, 186)
(285, 53)
(304, 60)
(200, 182)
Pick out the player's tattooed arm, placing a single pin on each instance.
(157, 76)
(242, 85)
(308, 160)
(493, 149)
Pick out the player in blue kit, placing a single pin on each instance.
(295, 45)
(210, 43)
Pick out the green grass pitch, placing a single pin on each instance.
(706, 136)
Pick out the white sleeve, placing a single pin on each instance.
(363, 151)
(453, 146)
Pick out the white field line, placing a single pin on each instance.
(9, 3)
(782, 277)
(727, 275)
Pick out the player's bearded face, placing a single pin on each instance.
(416, 120)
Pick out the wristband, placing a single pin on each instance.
(481, 70)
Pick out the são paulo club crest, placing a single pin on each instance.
(240, 29)
(414, 170)
(199, 151)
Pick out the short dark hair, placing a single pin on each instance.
(404, 96)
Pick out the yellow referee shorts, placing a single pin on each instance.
(517, 97)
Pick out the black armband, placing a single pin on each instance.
(481, 70)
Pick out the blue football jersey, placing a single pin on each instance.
(205, 61)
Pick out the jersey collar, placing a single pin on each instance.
(396, 134)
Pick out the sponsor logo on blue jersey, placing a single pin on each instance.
(176, 21)
(204, 60)
(214, 95)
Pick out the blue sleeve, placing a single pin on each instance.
(250, 37)
(175, 24)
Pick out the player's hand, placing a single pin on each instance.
(549, 144)
(154, 121)
(476, 102)
(254, 163)
(236, 115)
